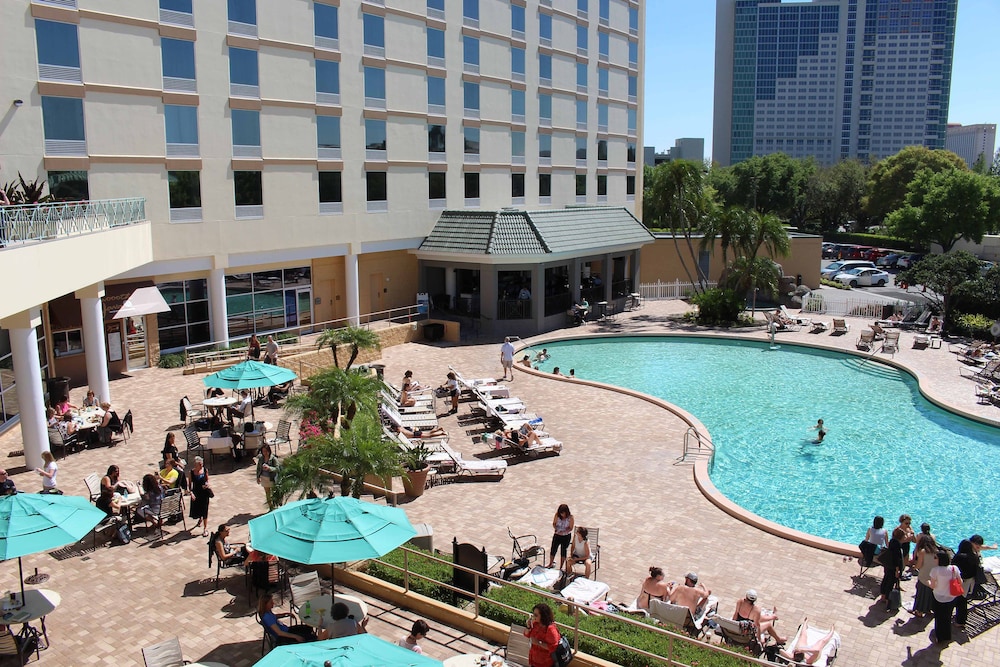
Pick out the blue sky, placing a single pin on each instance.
(680, 68)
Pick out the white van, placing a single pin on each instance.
(840, 266)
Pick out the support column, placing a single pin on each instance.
(351, 287)
(28, 378)
(218, 309)
(94, 344)
(635, 270)
(607, 274)
(575, 267)
(450, 287)
(538, 296)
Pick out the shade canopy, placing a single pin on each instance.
(363, 650)
(144, 301)
(250, 375)
(31, 523)
(331, 530)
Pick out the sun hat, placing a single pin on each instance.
(752, 595)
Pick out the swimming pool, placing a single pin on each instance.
(888, 450)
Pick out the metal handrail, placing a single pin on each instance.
(576, 609)
(702, 446)
(40, 222)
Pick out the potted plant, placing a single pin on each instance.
(417, 469)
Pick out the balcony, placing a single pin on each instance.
(244, 90)
(59, 73)
(331, 207)
(183, 150)
(66, 4)
(328, 99)
(247, 152)
(65, 148)
(171, 17)
(45, 222)
(329, 153)
(242, 29)
(327, 43)
(249, 211)
(173, 84)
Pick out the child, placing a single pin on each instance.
(820, 431)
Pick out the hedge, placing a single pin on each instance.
(418, 565)
(877, 240)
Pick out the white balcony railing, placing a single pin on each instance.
(328, 43)
(330, 99)
(582, 164)
(249, 211)
(581, 89)
(517, 34)
(436, 110)
(65, 148)
(247, 152)
(242, 29)
(544, 161)
(435, 14)
(331, 207)
(60, 73)
(470, 22)
(470, 68)
(68, 4)
(38, 222)
(374, 51)
(329, 153)
(517, 76)
(183, 150)
(192, 214)
(378, 206)
(376, 155)
(437, 157)
(581, 199)
(435, 61)
(517, 159)
(173, 84)
(472, 202)
(437, 204)
(544, 200)
(472, 114)
(517, 201)
(471, 158)
(244, 90)
(375, 103)
(172, 17)
(517, 119)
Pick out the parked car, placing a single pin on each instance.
(876, 254)
(888, 260)
(864, 277)
(829, 250)
(834, 268)
(857, 252)
(985, 266)
(906, 261)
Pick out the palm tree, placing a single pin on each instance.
(358, 338)
(365, 451)
(300, 473)
(335, 392)
(752, 273)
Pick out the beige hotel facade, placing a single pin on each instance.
(276, 163)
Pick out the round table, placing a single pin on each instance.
(356, 607)
(219, 402)
(472, 660)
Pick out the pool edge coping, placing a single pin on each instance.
(702, 479)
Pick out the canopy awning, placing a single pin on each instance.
(144, 301)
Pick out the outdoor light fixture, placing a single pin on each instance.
(18, 103)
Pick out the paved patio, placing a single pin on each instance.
(619, 478)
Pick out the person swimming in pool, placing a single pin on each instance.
(820, 429)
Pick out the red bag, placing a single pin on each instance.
(955, 586)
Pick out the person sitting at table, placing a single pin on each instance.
(7, 486)
(242, 409)
(169, 451)
(51, 418)
(278, 392)
(152, 498)
(108, 502)
(344, 625)
(225, 552)
(579, 311)
(169, 475)
(48, 473)
(690, 594)
(108, 421)
(281, 633)
(417, 632)
(91, 400)
(64, 406)
(66, 425)
(111, 483)
(214, 392)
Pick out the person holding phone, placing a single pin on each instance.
(543, 635)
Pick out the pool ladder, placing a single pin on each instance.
(696, 445)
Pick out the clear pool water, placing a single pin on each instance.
(888, 450)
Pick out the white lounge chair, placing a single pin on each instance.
(798, 319)
(546, 444)
(502, 406)
(680, 616)
(866, 340)
(421, 407)
(475, 468)
(891, 343)
(812, 637)
(409, 421)
(471, 385)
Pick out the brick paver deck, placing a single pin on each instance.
(616, 472)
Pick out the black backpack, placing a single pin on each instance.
(563, 654)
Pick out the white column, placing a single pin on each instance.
(351, 287)
(28, 378)
(218, 311)
(450, 287)
(94, 345)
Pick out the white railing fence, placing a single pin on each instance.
(853, 307)
(38, 222)
(666, 290)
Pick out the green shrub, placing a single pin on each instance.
(287, 335)
(877, 240)
(171, 360)
(974, 325)
(718, 306)
(833, 283)
(418, 565)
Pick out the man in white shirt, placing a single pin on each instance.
(507, 358)
(243, 408)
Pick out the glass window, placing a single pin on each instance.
(435, 90)
(517, 144)
(187, 322)
(181, 123)
(517, 185)
(375, 139)
(581, 6)
(633, 18)
(631, 120)
(471, 135)
(470, 50)
(327, 76)
(374, 30)
(581, 111)
(602, 149)
(65, 343)
(633, 85)
(516, 18)
(176, 5)
(243, 66)
(581, 148)
(602, 114)
(435, 43)
(471, 93)
(436, 4)
(329, 188)
(178, 58)
(57, 43)
(581, 74)
(328, 131)
(633, 52)
(185, 189)
(62, 119)
(602, 80)
(376, 186)
(602, 184)
(517, 59)
(544, 145)
(545, 185)
(630, 153)
(603, 44)
(435, 139)
(437, 185)
(246, 127)
(325, 20)
(517, 102)
(581, 37)
(69, 185)
(471, 185)
(545, 26)
(375, 82)
(244, 11)
(247, 186)
(545, 106)
(630, 185)
(604, 9)
(544, 66)
(470, 9)
(581, 185)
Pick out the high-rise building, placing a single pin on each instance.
(832, 79)
(970, 142)
(687, 148)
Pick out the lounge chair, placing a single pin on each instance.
(736, 633)
(878, 331)
(866, 340)
(812, 636)
(818, 326)
(891, 343)
(502, 406)
(773, 321)
(547, 444)
(421, 407)
(680, 616)
(475, 468)
(840, 327)
(919, 323)
(798, 319)
(470, 385)
(392, 413)
(987, 373)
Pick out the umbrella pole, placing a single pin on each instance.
(333, 587)
(20, 571)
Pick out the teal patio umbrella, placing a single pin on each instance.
(31, 523)
(330, 530)
(250, 375)
(354, 651)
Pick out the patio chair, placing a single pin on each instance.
(813, 637)
(165, 654)
(680, 616)
(798, 319)
(24, 643)
(193, 440)
(736, 633)
(840, 327)
(891, 343)
(866, 340)
(58, 441)
(985, 374)
(919, 323)
(268, 641)
(189, 413)
(93, 483)
(546, 444)
(471, 385)
(525, 546)
(110, 522)
(302, 588)
(422, 408)
(878, 331)
(392, 414)
(594, 537)
(172, 505)
(475, 468)
(267, 576)
(281, 436)
(125, 427)
(516, 651)
(219, 563)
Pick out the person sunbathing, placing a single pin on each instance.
(935, 326)
(748, 611)
(436, 432)
(524, 436)
(690, 594)
(804, 651)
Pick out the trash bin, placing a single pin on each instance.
(433, 331)
(57, 388)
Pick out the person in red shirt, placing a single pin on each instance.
(543, 636)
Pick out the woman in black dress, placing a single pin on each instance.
(201, 494)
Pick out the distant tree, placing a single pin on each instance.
(889, 179)
(995, 166)
(835, 195)
(774, 183)
(943, 207)
(358, 338)
(944, 275)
